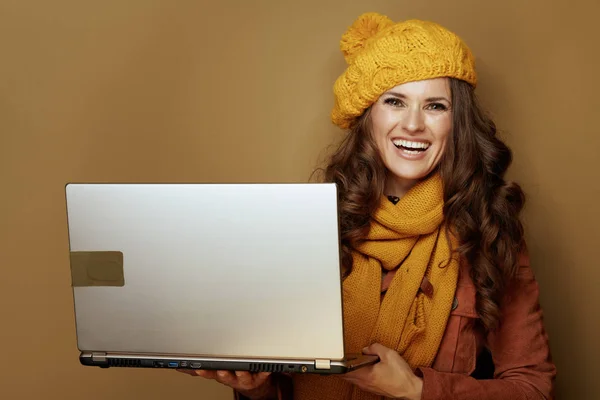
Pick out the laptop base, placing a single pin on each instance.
(104, 360)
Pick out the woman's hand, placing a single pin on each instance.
(254, 386)
(390, 377)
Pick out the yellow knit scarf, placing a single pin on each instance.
(410, 234)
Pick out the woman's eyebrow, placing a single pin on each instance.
(429, 99)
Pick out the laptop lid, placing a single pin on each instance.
(224, 270)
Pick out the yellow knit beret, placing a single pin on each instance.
(382, 54)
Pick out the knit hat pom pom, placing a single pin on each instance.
(366, 26)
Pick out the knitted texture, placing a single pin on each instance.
(382, 54)
(410, 234)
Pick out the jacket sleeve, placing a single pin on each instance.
(523, 368)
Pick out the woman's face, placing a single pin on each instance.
(411, 125)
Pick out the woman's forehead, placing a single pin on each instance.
(427, 87)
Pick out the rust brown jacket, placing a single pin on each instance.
(514, 362)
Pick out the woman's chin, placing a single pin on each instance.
(409, 175)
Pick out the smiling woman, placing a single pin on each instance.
(437, 280)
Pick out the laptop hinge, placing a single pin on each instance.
(99, 357)
(322, 364)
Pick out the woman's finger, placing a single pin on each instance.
(262, 376)
(235, 379)
(205, 373)
(226, 378)
(244, 378)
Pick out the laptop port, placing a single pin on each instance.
(196, 365)
(173, 364)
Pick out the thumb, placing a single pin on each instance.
(377, 349)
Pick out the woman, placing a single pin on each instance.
(436, 275)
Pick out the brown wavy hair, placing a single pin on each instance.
(480, 206)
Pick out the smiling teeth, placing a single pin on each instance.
(411, 145)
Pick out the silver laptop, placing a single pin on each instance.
(208, 276)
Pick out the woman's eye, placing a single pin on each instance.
(393, 101)
(438, 107)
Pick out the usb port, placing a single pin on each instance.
(173, 364)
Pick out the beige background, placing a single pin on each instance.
(149, 90)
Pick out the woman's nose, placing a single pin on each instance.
(414, 120)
